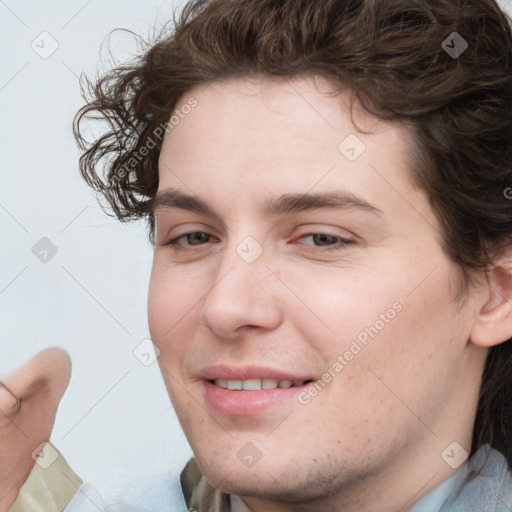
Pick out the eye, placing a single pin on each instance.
(314, 241)
(195, 238)
(329, 242)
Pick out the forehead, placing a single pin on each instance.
(308, 108)
(283, 136)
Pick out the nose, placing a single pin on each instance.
(243, 297)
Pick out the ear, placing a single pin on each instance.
(493, 323)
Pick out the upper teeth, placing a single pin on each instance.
(256, 384)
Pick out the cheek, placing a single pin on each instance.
(173, 289)
(415, 361)
(382, 336)
(172, 305)
(334, 306)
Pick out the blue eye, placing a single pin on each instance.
(322, 242)
(329, 242)
(195, 238)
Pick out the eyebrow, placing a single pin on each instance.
(284, 204)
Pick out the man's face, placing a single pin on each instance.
(348, 291)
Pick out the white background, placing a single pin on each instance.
(116, 425)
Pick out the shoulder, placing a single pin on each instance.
(485, 485)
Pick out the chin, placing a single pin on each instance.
(280, 478)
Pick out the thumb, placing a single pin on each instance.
(29, 399)
(48, 371)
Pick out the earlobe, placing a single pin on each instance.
(493, 323)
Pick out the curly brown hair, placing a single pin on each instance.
(392, 55)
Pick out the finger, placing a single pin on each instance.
(49, 369)
(9, 406)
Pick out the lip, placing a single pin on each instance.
(221, 371)
(247, 403)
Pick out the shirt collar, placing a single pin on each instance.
(237, 505)
(492, 490)
(433, 501)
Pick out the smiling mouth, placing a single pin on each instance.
(257, 384)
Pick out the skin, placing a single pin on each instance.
(40, 384)
(373, 438)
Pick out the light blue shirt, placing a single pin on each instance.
(491, 491)
(436, 498)
(432, 502)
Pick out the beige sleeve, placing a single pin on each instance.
(50, 486)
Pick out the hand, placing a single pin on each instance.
(39, 384)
